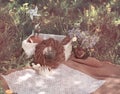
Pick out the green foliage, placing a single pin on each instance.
(1, 89)
(59, 16)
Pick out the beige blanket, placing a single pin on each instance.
(63, 80)
(98, 70)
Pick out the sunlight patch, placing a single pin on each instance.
(24, 77)
(41, 93)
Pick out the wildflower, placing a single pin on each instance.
(109, 9)
(86, 13)
(74, 39)
(46, 21)
(33, 12)
(87, 40)
(25, 4)
(93, 11)
(117, 22)
(45, 7)
(97, 30)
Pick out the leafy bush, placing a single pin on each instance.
(60, 16)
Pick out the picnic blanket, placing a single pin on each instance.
(63, 80)
(88, 74)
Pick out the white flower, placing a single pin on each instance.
(37, 26)
(33, 12)
(74, 39)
